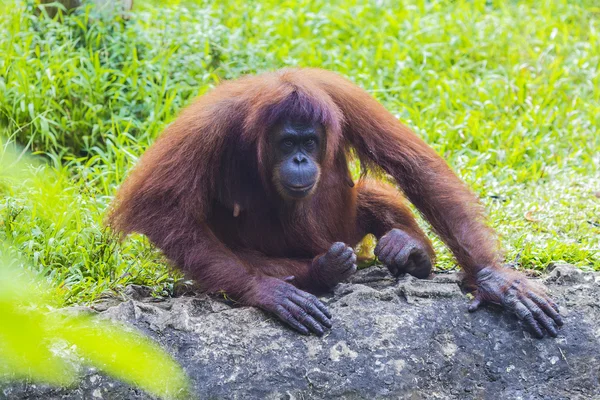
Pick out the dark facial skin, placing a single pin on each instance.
(297, 148)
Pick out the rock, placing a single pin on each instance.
(137, 292)
(391, 339)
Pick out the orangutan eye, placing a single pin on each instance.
(288, 143)
(310, 143)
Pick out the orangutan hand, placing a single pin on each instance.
(513, 291)
(297, 308)
(336, 265)
(402, 253)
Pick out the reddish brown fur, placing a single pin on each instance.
(214, 158)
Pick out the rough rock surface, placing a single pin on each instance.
(391, 339)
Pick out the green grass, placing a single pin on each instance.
(508, 92)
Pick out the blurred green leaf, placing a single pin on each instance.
(32, 329)
(30, 332)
